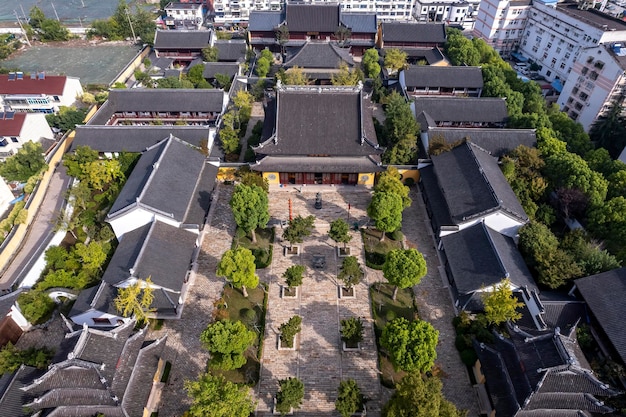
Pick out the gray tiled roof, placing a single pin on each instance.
(473, 184)
(182, 39)
(480, 257)
(462, 109)
(120, 138)
(159, 182)
(359, 22)
(231, 50)
(498, 142)
(436, 201)
(12, 397)
(570, 400)
(99, 297)
(166, 100)
(141, 379)
(226, 68)
(318, 55)
(156, 250)
(451, 77)
(7, 301)
(414, 32)
(605, 295)
(265, 20)
(346, 120)
(312, 17)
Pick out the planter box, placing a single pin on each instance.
(294, 344)
(277, 413)
(345, 292)
(294, 250)
(284, 292)
(343, 252)
(346, 348)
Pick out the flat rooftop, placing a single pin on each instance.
(592, 17)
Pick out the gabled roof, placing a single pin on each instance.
(498, 142)
(450, 77)
(182, 39)
(120, 138)
(481, 257)
(7, 301)
(226, 68)
(462, 109)
(157, 251)
(50, 85)
(166, 100)
(359, 22)
(432, 55)
(473, 185)
(12, 396)
(312, 17)
(98, 298)
(605, 295)
(12, 126)
(318, 121)
(414, 32)
(164, 181)
(264, 20)
(231, 50)
(318, 55)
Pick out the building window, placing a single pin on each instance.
(599, 64)
(553, 61)
(14, 139)
(583, 96)
(593, 75)
(549, 73)
(584, 71)
(574, 115)
(562, 66)
(569, 100)
(574, 90)
(578, 106)
(558, 50)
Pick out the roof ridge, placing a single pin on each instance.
(155, 165)
(133, 269)
(194, 193)
(487, 230)
(494, 195)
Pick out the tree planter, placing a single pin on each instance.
(275, 412)
(294, 344)
(351, 347)
(294, 250)
(346, 292)
(342, 252)
(286, 292)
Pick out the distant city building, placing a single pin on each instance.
(38, 92)
(454, 12)
(596, 83)
(184, 15)
(501, 23)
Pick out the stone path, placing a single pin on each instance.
(183, 349)
(435, 306)
(318, 360)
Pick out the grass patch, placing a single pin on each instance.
(156, 324)
(251, 312)
(262, 249)
(384, 310)
(166, 371)
(375, 250)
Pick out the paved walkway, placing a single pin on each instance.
(318, 360)
(183, 349)
(435, 306)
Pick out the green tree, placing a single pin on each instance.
(370, 64)
(282, 37)
(399, 120)
(404, 268)
(390, 182)
(293, 275)
(135, 300)
(419, 396)
(36, 306)
(289, 330)
(52, 30)
(214, 396)
(349, 398)
(500, 304)
(210, 53)
(395, 59)
(92, 255)
(569, 170)
(588, 254)
(223, 81)
(36, 17)
(250, 208)
(76, 161)
(350, 273)
(290, 395)
(299, 227)
(254, 178)
(609, 131)
(460, 50)
(227, 341)
(609, 219)
(410, 345)
(229, 138)
(386, 211)
(262, 67)
(293, 76)
(102, 173)
(237, 266)
(195, 74)
(345, 76)
(339, 231)
(12, 358)
(28, 161)
(352, 330)
(67, 118)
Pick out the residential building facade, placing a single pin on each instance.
(38, 92)
(501, 23)
(184, 15)
(17, 128)
(460, 13)
(596, 83)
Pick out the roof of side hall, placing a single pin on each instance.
(51, 85)
(185, 39)
(452, 77)
(414, 32)
(462, 109)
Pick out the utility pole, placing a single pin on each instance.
(55, 12)
(130, 22)
(22, 27)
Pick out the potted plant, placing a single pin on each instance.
(298, 228)
(339, 233)
(288, 332)
(351, 333)
(349, 399)
(293, 279)
(350, 274)
(289, 395)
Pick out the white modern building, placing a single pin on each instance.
(501, 23)
(556, 32)
(453, 12)
(184, 15)
(38, 92)
(596, 82)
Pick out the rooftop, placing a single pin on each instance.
(50, 85)
(312, 17)
(318, 55)
(414, 32)
(451, 77)
(591, 16)
(12, 125)
(183, 39)
(462, 109)
(498, 142)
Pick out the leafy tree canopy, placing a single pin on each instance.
(28, 161)
(339, 231)
(250, 207)
(395, 59)
(214, 396)
(410, 345)
(350, 273)
(67, 118)
(370, 64)
(386, 211)
(293, 275)
(349, 398)
(501, 305)
(290, 395)
(237, 266)
(227, 341)
(417, 396)
(404, 268)
(135, 300)
(390, 182)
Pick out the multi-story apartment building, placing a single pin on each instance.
(556, 32)
(238, 11)
(596, 83)
(184, 15)
(501, 23)
(454, 12)
(38, 92)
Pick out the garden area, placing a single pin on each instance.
(376, 250)
(262, 249)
